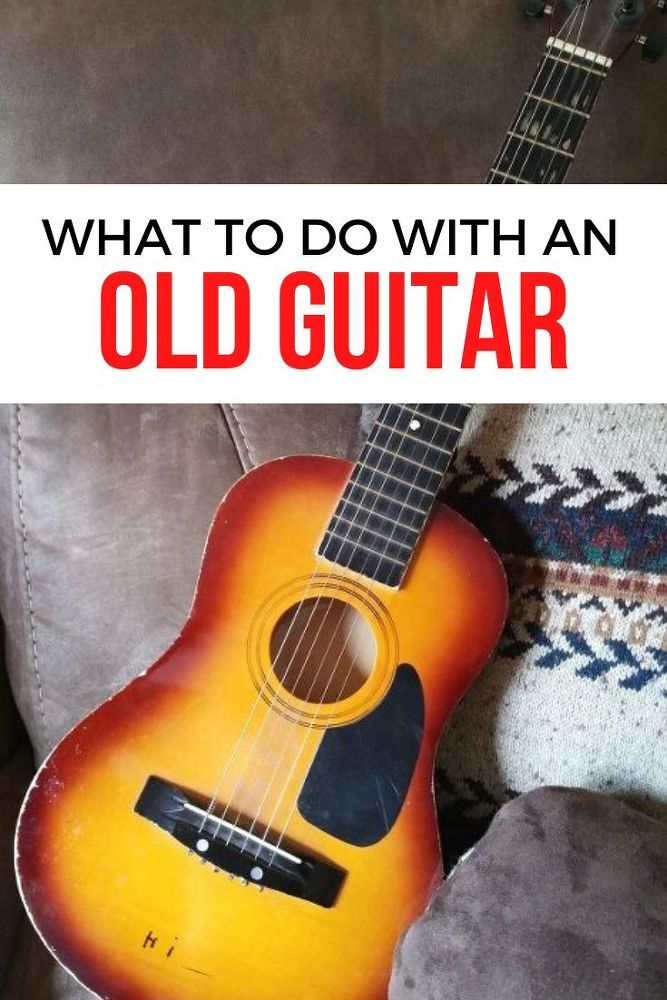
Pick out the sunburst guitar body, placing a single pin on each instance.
(253, 817)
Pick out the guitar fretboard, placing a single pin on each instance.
(542, 140)
(382, 512)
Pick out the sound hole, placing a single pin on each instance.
(322, 650)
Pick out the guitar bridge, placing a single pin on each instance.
(239, 852)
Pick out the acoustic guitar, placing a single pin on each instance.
(253, 817)
(586, 38)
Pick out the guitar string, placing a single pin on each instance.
(295, 803)
(332, 675)
(260, 699)
(553, 154)
(557, 62)
(291, 772)
(560, 66)
(580, 8)
(388, 541)
(285, 638)
(569, 115)
(362, 463)
(293, 808)
(569, 22)
(323, 659)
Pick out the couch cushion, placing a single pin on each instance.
(104, 512)
(267, 431)
(565, 898)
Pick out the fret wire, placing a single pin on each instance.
(407, 435)
(498, 162)
(426, 416)
(556, 84)
(530, 166)
(422, 413)
(556, 127)
(383, 411)
(532, 163)
(416, 434)
(543, 145)
(588, 92)
(440, 411)
(363, 527)
(462, 414)
(531, 128)
(404, 458)
(410, 506)
(413, 438)
(501, 173)
(356, 544)
(396, 479)
(556, 104)
(374, 513)
(583, 86)
(432, 495)
(579, 71)
(576, 65)
(385, 573)
(402, 502)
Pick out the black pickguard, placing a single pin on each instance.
(359, 779)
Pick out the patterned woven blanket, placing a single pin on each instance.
(574, 498)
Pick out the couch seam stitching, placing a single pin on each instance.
(222, 407)
(248, 449)
(26, 567)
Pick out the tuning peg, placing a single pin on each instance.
(653, 45)
(537, 8)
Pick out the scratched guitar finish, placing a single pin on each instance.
(253, 818)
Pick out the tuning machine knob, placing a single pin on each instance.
(653, 45)
(538, 8)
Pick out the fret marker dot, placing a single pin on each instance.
(202, 845)
(256, 874)
(414, 425)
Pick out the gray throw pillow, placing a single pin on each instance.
(565, 898)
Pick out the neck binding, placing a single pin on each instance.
(384, 507)
(542, 140)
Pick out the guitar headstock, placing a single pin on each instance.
(605, 27)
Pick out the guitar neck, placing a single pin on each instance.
(542, 140)
(383, 510)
